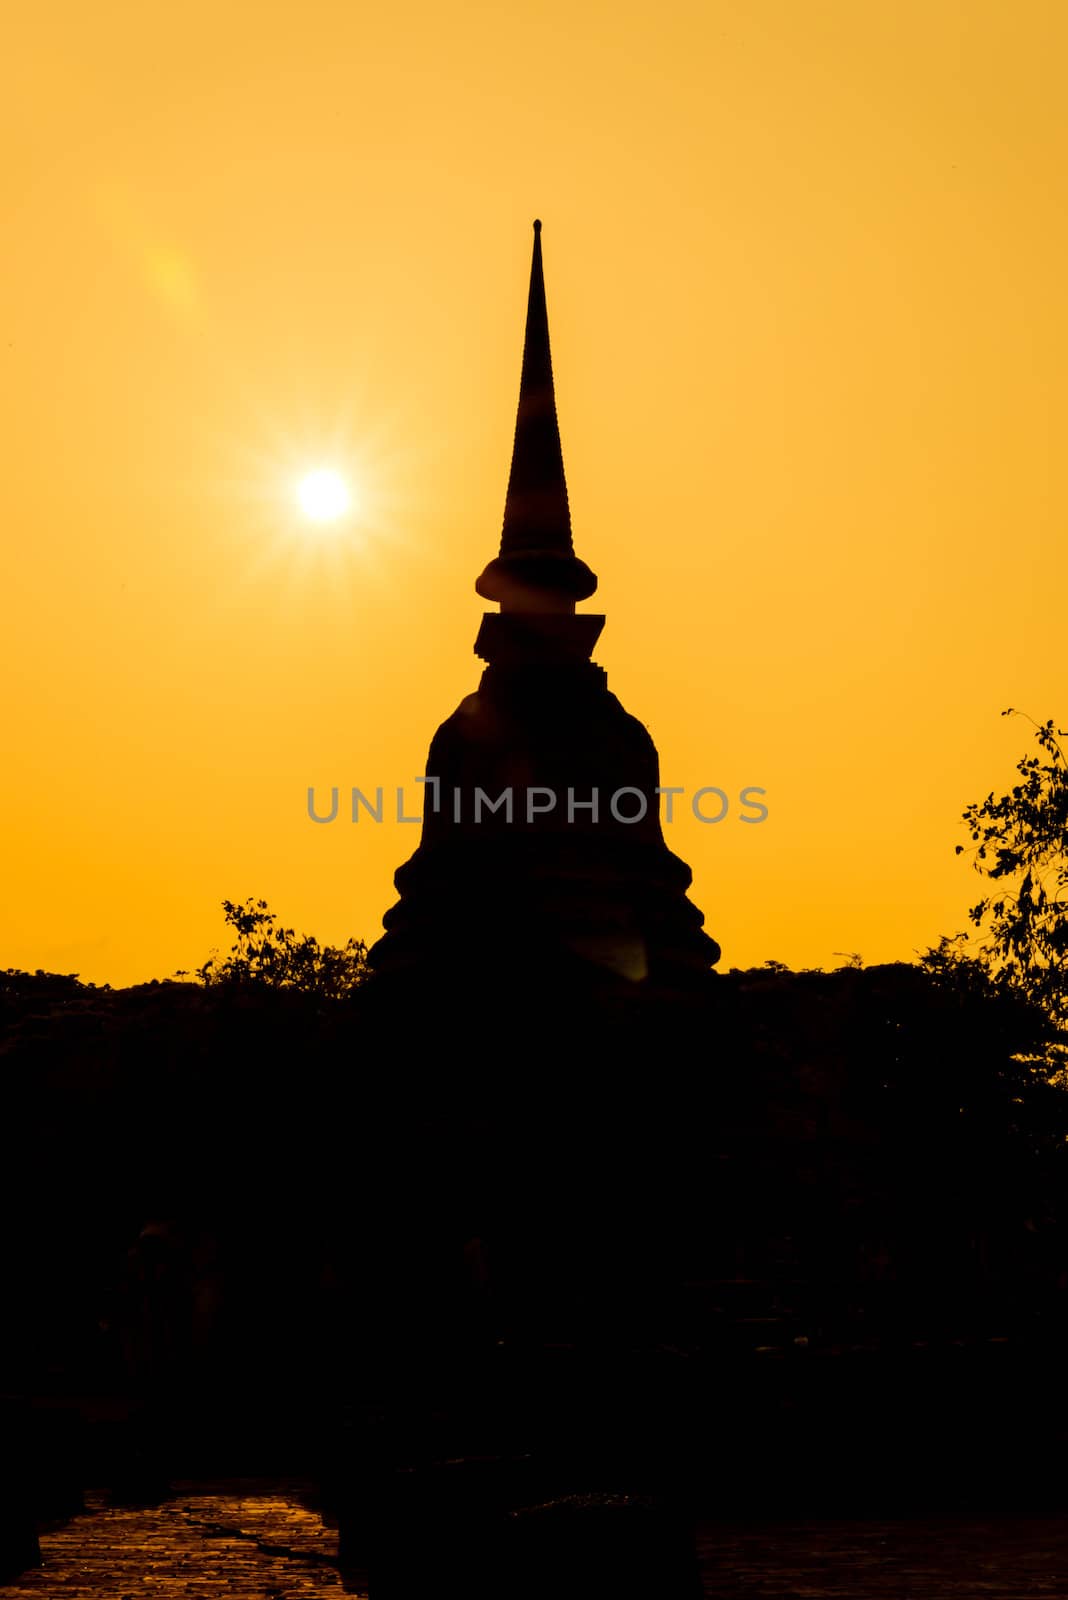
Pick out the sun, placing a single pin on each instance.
(323, 495)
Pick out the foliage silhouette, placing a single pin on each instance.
(1021, 843)
(266, 955)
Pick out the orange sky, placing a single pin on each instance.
(805, 264)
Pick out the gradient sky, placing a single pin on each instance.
(806, 265)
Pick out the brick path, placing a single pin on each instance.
(260, 1543)
(241, 1545)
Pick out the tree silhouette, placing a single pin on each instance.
(269, 956)
(1021, 843)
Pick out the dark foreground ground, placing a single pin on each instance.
(254, 1540)
(797, 1249)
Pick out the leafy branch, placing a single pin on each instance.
(1021, 842)
(266, 955)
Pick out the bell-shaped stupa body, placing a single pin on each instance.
(542, 852)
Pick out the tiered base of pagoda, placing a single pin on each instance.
(546, 883)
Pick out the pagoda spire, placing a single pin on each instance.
(537, 569)
(527, 879)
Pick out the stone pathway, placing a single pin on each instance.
(241, 1545)
(259, 1543)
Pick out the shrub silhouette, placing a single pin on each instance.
(266, 955)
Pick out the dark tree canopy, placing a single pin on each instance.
(267, 955)
(1021, 846)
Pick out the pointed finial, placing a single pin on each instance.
(537, 568)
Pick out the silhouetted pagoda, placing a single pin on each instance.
(542, 852)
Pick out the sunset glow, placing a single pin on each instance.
(806, 291)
